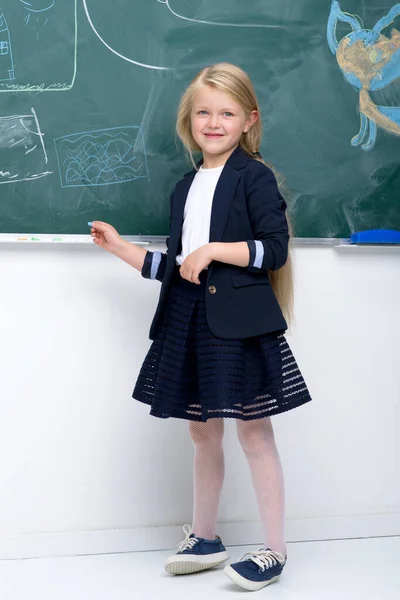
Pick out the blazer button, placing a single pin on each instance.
(212, 289)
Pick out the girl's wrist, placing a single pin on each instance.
(120, 246)
(213, 250)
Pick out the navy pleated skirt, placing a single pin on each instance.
(188, 373)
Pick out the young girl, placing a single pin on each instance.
(218, 347)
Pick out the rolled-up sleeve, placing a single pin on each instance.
(154, 265)
(155, 262)
(267, 213)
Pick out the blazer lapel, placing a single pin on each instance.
(224, 193)
(177, 212)
(223, 196)
(222, 201)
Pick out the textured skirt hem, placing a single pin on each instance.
(188, 373)
(220, 413)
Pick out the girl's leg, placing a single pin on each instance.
(209, 470)
(258, 442)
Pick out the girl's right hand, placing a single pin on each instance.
(106, 236)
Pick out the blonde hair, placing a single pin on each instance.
(234, 82)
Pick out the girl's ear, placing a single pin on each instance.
(253, 117)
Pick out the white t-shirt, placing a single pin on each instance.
(197, 213)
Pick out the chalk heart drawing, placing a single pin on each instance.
(102, 157)
(23, 154)
(39, 26)
(370, 61)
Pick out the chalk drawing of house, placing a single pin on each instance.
(6, 60)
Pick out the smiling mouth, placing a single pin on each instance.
(214, 135)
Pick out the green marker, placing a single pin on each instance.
(33, 239)
(56, 240)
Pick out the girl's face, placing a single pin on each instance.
(217, 124)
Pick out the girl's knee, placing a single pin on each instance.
(210, 432)
(255, 435)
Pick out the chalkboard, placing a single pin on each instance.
(89, 91)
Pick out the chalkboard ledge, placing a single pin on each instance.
(365, 248)
(59, 239)
(48, 238)
(340, 244)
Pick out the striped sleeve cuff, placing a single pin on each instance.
(256, 248)
(151, 265)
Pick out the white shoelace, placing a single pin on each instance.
(188, 542)
(265, 559)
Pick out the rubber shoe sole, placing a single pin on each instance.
(184, 564)
(246, 584)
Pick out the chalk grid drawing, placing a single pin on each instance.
(102, 157)
(37, 27)
(369, 61)
(21, 148)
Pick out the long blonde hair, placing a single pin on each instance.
(234, 82)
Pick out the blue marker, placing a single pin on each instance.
(90, 224)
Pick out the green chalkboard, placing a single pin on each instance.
(89, 91)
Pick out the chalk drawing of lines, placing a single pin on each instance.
(217, 23)
(7, 72)
(18, 85)
(130, 60)
(23, 155)
(102, 157)
(167, 3)
(37, 13)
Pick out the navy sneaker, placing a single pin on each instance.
(196, 554)
(254, 573)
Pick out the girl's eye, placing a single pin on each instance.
(202, 112)
(228, 114)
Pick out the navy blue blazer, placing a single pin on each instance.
(247, 206)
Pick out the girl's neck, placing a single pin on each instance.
(212, 161)
(213, 164)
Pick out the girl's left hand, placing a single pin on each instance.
(195, 263)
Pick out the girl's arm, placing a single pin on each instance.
(108, 238)
(269, 248)
(154, 263)
(266, 208)
(150, 264)
(233, 253)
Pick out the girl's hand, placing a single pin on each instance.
(195, 263)
(106, 236)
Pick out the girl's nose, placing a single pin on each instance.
(213, 121)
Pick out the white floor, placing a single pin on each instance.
(365, 569)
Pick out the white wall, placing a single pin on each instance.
(84, 468)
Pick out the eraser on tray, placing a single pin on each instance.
(376, 236)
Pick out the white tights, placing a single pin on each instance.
(258, 442)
